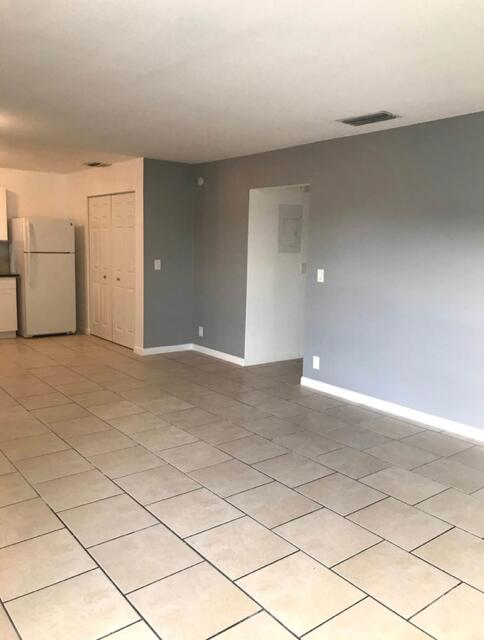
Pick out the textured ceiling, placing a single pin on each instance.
(199, 80)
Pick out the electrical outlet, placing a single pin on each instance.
(157, 264)
(315, 362)
(320, 275)
(200, 332)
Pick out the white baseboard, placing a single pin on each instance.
(397, 410)
(152, 351)
(221, 355)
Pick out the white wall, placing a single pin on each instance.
(275, 285)
(38, 194)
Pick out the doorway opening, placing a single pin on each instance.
(276, 273)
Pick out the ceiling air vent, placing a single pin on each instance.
(97, 163)
(369, 118)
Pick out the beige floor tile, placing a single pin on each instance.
(136, 631)
(193, 512)
(327, 537)
(357, 437)
(454, 474)
(40, 562)
(56, 414)
(21, 428)
(53, 465)
(367, 620)
(340, 494)
(189, 418)
(76, 490)
(273, 427)
(354, 414)
(401, 454)
(252, 449)
(460, 509)
(79, 426)
(13, 488)
(123, 384)
(394, 428)
(318, 402)
(258, 627)
(93, 398)
(308, 443)
(32, 446)
(292, 470)
(26, 520)
(142, 394)
(403, 484)
(282, 408)
(240, 547)
(7, 630)
(218, 432)
(458, 615)
(106, 519)
(352, 462)
(157, 484)
(317, 422)
(115, 409)
(396, 578)
(240, 413)
(44, 400)
(229, 477)
(458, 553)
(92, 444)
(473, 457)
(477, 494)
(5, 465)
(273, 504)
(143, 557)
(163, 438)
(14, 414)
(77, 388)
(400, 523)
(165, 405)
(196, 604)
(194, 456)
(439, 444)
(300, 592)
(137, 422)
(123, 462)
(91, 608)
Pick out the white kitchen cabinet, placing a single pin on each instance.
(8, 307)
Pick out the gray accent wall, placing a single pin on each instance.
(397, 222)
(169, 193)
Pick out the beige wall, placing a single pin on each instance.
(34, 193)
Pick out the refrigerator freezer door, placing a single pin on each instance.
(49, 294)
(48, 235)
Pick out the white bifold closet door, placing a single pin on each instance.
(112, 267)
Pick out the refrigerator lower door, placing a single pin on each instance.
(49, 292)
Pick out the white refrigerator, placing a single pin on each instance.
(42, 252)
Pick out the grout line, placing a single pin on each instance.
(51, 584)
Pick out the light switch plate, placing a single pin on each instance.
(315, 362)
(320, 275)
(200, 332)
(157, 264)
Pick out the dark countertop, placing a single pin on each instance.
(9, 275)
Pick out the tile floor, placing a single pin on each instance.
(183, 498)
